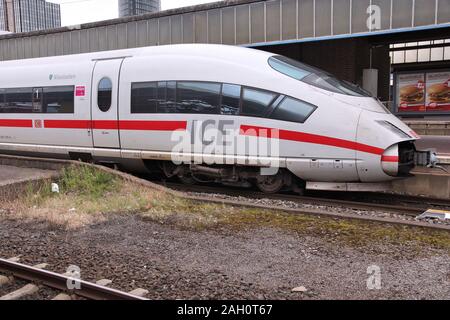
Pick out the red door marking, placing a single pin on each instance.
(80, 91)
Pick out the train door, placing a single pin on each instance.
(105, 116)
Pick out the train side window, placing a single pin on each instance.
(18, 100)
(256, 102)
(2, 100)
(293, 110)
(144, 97)
(231, 98)
(198, 97)
(37, 100)
(104, 98)
(167, 97)
(58, 99)
(162, 96)
(171, 97)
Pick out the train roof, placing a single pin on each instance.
(202, 50)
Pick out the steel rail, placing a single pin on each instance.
(305, 211)
(58, 281)
(405, 210)
(316, 212)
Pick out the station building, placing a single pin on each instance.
(28, 15)
(397, 49)
(136, 7)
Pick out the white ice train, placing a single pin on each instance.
(125, 107)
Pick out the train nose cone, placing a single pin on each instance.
(390, 160)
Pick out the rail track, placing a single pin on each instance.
(378, 207)
(37, 278)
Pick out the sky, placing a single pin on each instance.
(82, 11)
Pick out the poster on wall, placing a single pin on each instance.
(411, 92)
(438, 91)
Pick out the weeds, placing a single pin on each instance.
(87, 195)
(87, 181)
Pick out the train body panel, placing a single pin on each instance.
(382, 131)
(342, 135)
(40, 128)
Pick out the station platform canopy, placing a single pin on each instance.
(241, 22)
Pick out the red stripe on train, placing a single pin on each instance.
(105, 124)
(308, 138)
(16, 123)
(390, 159)
(113, 124)
(153, 125)
(67, 124)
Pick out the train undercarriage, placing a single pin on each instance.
(236, 176)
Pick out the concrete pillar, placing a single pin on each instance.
(382, 62)
(370, 81)
(10, 21)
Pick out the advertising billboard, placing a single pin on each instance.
(411, 92)
(422, 92)
(438, 91)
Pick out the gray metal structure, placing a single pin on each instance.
(29, 15)
(239, 22)
(129, 8)
(3, 18)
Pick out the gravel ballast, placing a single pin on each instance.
(228, 263)
(287, 204)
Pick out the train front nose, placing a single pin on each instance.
(398, 159)
(387, 148)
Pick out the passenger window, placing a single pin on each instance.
(37, 100)
(167, 100)
(198, 97)
(293, 110)
(18, 100)
(256, 102)
(231, 97)
(162, 94)
(2, 99)
(58, 99)
(104, 99)
(144, 97)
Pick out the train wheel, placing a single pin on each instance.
(169, 169)
(270, 184)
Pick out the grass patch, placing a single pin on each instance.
(87, 181)
(87, 195)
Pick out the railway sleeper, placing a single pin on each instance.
(26, 290)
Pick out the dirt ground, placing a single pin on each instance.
(223, 262)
